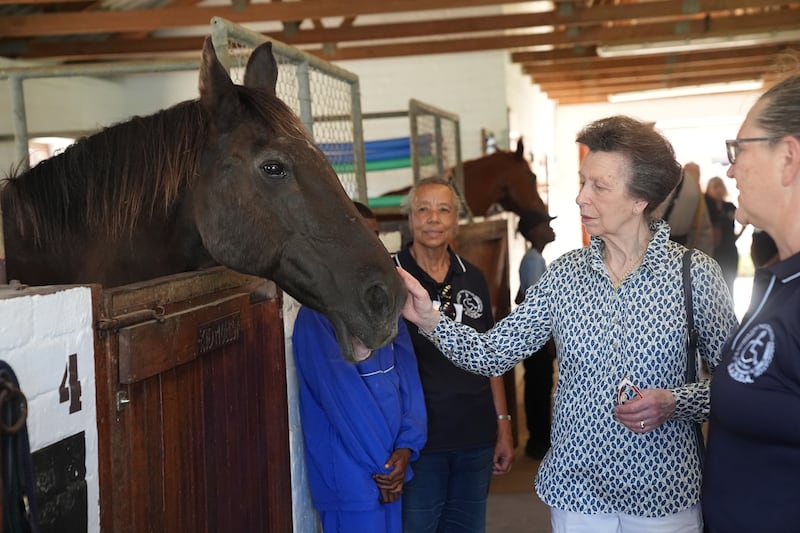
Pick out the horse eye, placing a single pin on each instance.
(274, 169)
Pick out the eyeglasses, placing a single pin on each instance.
(734, 145)
(446, 299)
(626, 390)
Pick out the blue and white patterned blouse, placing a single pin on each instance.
(602, 334)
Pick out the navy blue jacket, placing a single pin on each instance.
(752, 475)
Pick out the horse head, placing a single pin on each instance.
(503, 178)
(270, 204)
(232, 178)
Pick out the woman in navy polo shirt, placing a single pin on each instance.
(752, 476)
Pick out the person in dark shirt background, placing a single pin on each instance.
(469, 428)
(535, 227)
(722, 215)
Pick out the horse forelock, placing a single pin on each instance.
(105, 182)
(273, 111)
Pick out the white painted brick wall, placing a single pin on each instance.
(37, 335)
(304, 517)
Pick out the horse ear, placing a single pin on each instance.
(215, 83)
(520, 149)
(262, 70)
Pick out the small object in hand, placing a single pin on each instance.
(626, 390)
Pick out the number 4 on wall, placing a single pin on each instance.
(70, 388)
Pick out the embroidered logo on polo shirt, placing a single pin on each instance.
(472, 304)
(753, 354)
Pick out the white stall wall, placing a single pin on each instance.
(471, 86)
(83, 105)
(38, 333)
(148, 93)
(55, 105)
(304, 517)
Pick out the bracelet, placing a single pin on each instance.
(504, 417)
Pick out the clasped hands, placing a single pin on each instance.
(390, 484)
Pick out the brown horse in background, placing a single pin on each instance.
(232, 178)
(504, 178)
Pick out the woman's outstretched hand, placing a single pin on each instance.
(418, 307)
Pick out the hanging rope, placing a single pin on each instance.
(17, 468)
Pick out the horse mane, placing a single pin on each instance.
(104, 183)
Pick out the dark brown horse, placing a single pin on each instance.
(232, 178)
(504, 178)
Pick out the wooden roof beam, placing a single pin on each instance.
(748, 71)
(731, 62)
(180, 16)
(586, 90)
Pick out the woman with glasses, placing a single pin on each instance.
(752, 476)
(469, 428)
(625, 454)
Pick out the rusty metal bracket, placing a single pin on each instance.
(129, 319)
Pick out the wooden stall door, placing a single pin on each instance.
(193, 421)
(485, 245)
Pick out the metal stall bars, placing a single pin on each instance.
(326, 98)
(436, 145)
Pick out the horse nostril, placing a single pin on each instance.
(376, 297)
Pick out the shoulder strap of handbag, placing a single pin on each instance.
(691, 339)
(672, 200)
(691, 335)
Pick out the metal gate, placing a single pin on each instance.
(327, 98)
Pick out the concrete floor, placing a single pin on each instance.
(513, 506)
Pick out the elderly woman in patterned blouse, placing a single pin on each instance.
(616, 311)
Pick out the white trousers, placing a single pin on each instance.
(688, 521)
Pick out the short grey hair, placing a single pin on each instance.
(651, 159)
(434, 180)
